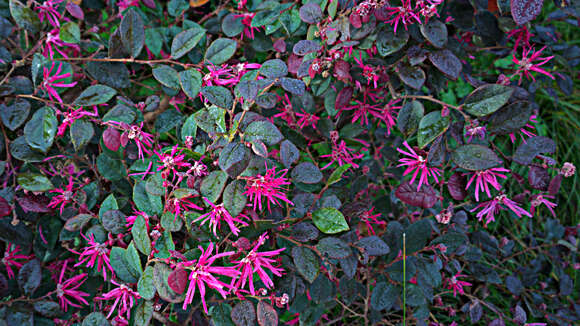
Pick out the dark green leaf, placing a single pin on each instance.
(167, 76)
(435, 32)
(81, 132)
(145, 286)
(373, 246)
(29, 277)
(34, 182)
(475, 157)
(219, 96)
(412, 76)
(274, 68)
(487, 99)
(110, 168)
(304, 232)
(13, 116)
(294, 86)
(123, 264)
(384, 296)
(234, 199)
(431, 126)
(24, 16)
(334, 248)
(232, 25)
(234, 158)
(95, 95)
(303, 47)
(120, 113)
(160, 276)
(20, 150)
(145, 201)
(417, 235)
(306, 262)
(171, 222)
(244, 314)
(95, 319)
(18, 234)
(48, 309)
(168, 120)
(446, 62)
(41, 129)
(289, 153)
(143, 313)
(114, 221)
(186, 41)
(70, 32)
(264, 131)
(141, 236)
(113, 74)
(310, 13)
(510, 119)
(190, 80)
(213, 184)
(132, 32)
(220, 50)
(409, 117)
(534, 146)
(306, 172)
(329, 220)
(388, 42)
(154, 185)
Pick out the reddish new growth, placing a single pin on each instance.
(270, 186)
(66, 291)
(216, 215)
(203, 275)
(257, 262)
(13, 259)
(417, 164)
(52, 79)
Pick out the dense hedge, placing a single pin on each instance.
(317, 162)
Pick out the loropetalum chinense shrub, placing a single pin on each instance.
(284, 162)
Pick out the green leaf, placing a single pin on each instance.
(132, 32)
(76, 223)
(475, 157)
(211, 120)
(232, 25)
(145, 286)
(81, 132)
(24, 16)
(510, 119)
(133, 258)
(110, 168)
(234, 199)
(120, 113)
(48, 309)
(124, 270)
(213, 184)
(190, 81)
(289, 153)
(234, 159)
(108, 204)
(14, 115)
(154, 39)
(263, 130)
(310, 13)
(41, 129)
(95, 319)
(34, 182)
(274, 68)
(29, 277)
(167, 76)
(435, 32)
(20, 150)
(154, 185)
(409, 117)
(431, 126)
(170, 222)
(487, 99)
(329, 220)
(264, 17)
(141, 236)
(186, 41)
(388, 42)
(95, 95)
(167, 120)
(384, 296)
(160, 275)
(189, 128)
(534, 146)
(418, 235)
(306, 172)
(145, 201)
(220, 50)
(337, 174)
(412, 76)
(306, 262)
(70, 32)
(114, 221)
(218, 95)
(143, 313)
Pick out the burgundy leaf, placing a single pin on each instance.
(244, 314)
(539, 178)
(554, 186)
(177, 280)
(149, 3)
(426, 197)
(456, 186)
(75, 11)
(280, 46)
(112, 139)
(5, 208)
(342, 70)
(524, 11)
(34, 203)
(355, 20)
(267, 315)
(294, 63)
(343, 97)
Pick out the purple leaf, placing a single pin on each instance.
(426, 197)
(524, 11)
(177, 280)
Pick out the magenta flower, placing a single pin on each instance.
(171, 162)
(418, 164)
(52, 80)
(385, 114)
(524, 132)
(132, 218)
(247, 22)
(53, 39)
(11, 259)
(341, 153)
(198, 169)
(369, 218)
(492, 207)
(368, 72)
(66, 291)
(456, 285)
(538, 200)
(242, 68)
(257, 262)
(306, 119)
(179, 205)
(123, 295)
(203, 274)
(95, 253)
(527, 65)
(64, 196)
(269, 186)
(361, 110)
(143, 140)
(73, 115)
(568, 169)
(219, 75)
(124, 4)
(48, 10)
(287, 112)
(522, 36)
(218, 214)
(475, 130)
(484, 178)
(403, 14)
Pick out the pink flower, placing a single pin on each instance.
(143, 140)
(53, 39)
(242, 68)
(538, 200)
(124, 295)
(219, 75)
(247, 22)
(403, 14)
(456, 285)
(492, 207)
(287, 112)
(568, 169)
(11, 259)
(385, 114)
(132, 218)
(484, 178)
(65, 195)
(361, 110)
(69, 288)
(368, 72)
(418, 164)
(527, 65)
(307, 119)
(203, 274)
(341, 153)
(73, 115)
(369, 218)
(242, 4)
(522, 36)
(257, 262)
(95, 253)
(216, 215)
(269, 186)
(315, 68)
(524, 132)
(475, 130)
(179, 205)
(52, 80)
(198, 169)
(171, 162)
(48, 10)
